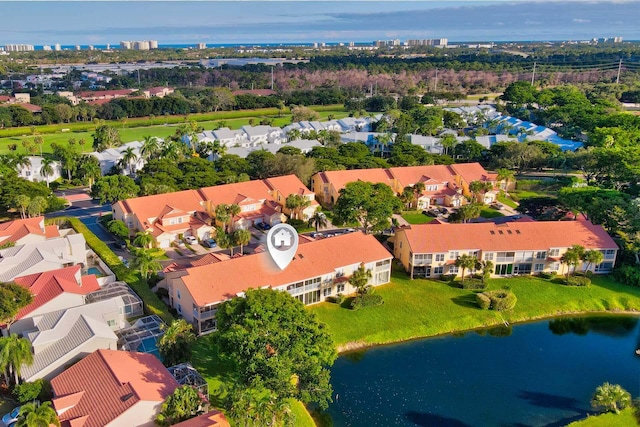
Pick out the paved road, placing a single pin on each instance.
(82, 210)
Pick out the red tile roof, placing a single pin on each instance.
(289, 184)
(410, 175)
(30, 107)
(473, 172)
(12, 231)
(103, 385)
(217, 282)
(210, 419)
(105, 93)
(537, 235)
(51, 231)
(100, 101)
(48, 285)
(4, 98)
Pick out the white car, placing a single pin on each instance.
(190, 240)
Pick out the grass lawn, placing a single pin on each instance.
(421, 308)
(128, 134)
(507, 201)
(220, 375)
(626, 418)
(416, 217)
(490, 213)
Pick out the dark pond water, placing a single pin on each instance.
(536, 374)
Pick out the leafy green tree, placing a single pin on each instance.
(241, 237)
(176, 345)
(318, 220)
(610, 397)
(360, 279)
(225, 240)
(592, 257)
(257, 406)
(46, 169)
(150, 147)
(22, 202)
(300, 113)
(30, 391)
(118, 228)
(143, 239)
(15, 352)
(369, 204)
(296, 203)
(272, 337)
(466, 262)
(487, 270)
(34, 415)
(479, 187)
(12, 298)
(37, 206)
(145, 263)
(572, 257)
(466, 212)
(182, 404)
(106, 136)
(111, 188)
(89, 169)
(129, 158)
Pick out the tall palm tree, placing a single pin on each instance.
(33, 415)
(144, 240)
(505, 175)
(21, 161)
(144, 262)
(233, 210)
(150, 147)
(611, 397)
(293, 134)
(22, 202)
(129, 158)
(592, 257)
(14, 353)
(90, 169)
(318, 220)
(222, 214)
(241, 237)
(46, 169)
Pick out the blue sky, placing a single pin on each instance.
(89, 22)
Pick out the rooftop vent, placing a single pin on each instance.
(500, 232)
(492, 232)
(517, 231)
(509, 232)
(126, 397)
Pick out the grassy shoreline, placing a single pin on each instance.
(424, 308)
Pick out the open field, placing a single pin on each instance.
(422, 308)
(130, 133)
(626, 418)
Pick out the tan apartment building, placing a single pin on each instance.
(320, 268)
(515, 248)
(445, 185)
(191, 212)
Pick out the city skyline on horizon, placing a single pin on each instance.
(331, 22)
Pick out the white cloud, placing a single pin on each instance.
(581, 21)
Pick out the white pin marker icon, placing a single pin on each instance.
(282, 243)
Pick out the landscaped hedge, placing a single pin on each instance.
(628, 275)
(366, 300)
(472, 283)
(152, 304)
(547, 275)
(500, 300)
(577, 281)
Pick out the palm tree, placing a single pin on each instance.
(144, 240)
(150, 147)
(611, 397)
(241, 237)
(318, 220)
(172, 150)
(179, 406)
(37, 206)
(90, 169)
(407, 196)
(33, 415)
(293, 135)
(233, 210)
(14, 353)
(360, 278)
(505, 175)
(144, 262)
(224, 240)
(46, 170)
(129, 157)
(22, 202)
(572, 257)
(222, 214)
(21, 161)
(466, 262)
(592, 257)
(296, 203)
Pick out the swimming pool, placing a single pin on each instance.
(96, 271)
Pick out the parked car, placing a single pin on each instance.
(11, 417)
(432, 212)
(263, 226)
(497, 205)
(442, 210)
(209, 243)
(317, 235)
(191, 240)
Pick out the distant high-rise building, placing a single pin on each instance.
(202, 46)
(153, 44)
(57, 47)
(46, 47)
(91, 47)
(139, 45)
(125, 45)
(77, 47)
(427, 42)
(352, 44)
(19, 47)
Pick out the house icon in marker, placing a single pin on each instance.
(282, 239)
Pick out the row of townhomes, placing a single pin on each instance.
(516, 248)
(192, 212)
(319, 269)
(87, 332)
(444, 185)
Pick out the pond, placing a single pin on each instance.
(534, 374)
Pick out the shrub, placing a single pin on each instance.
(30, 391)
(500, 300)
(547, 275)
(447, 277)
(366, 300)
(627, 275)
(483, 301)
(473, 283)
(298, 224)
(577, 281)
(162, 293)
(337, 299)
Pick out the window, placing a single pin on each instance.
(438, 270)
(340, 288)
(111, 323)
(382, 277)
(605, 266)
(439, 257)
(431, 188)
(555, 266)
(609, 253)
(474, 253)
(554, 252)
(401, 245)
(522, 269)
(383, 263)
(541, 255)
(488, 256)
(196, 312)
(326, 292)
(538, 267)
(453, 254)
(420, 259)
(453, 269)
(179, 309)
(178, 292)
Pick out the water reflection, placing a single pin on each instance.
(607, 325)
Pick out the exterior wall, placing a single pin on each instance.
(180, 298)
(61, 302)
(86, 349)
(141, 414)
